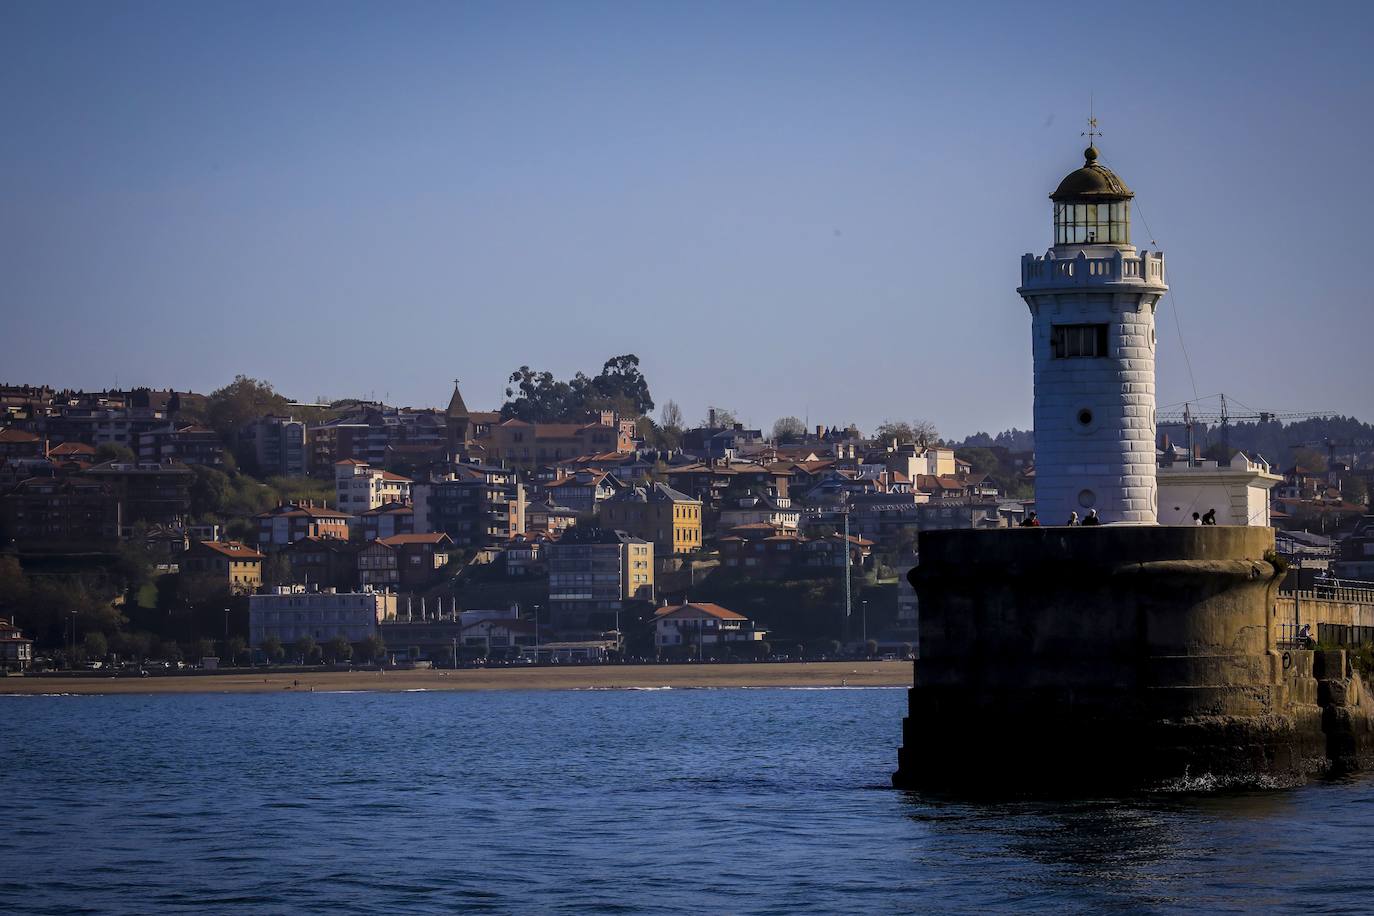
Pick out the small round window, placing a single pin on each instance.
(1087, 498)
(1085, 417)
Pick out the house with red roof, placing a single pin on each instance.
(235, 564)
(702, 624)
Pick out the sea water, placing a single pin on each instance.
(669, 801)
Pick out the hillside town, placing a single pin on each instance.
(154, 529)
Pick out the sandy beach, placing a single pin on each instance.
(571, 677)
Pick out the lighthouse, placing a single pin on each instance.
(1092, 300)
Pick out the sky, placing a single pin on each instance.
(808, 209)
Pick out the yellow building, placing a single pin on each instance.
(657, 513)
(237, 565)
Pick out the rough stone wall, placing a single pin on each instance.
(1312, 610)
(1119, 656)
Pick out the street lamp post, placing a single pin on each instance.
(71, 657)
(227, 659)
(865, 623)
(536, 633)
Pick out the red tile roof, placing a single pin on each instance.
(710, 610)
(398, 539)
(234, 550)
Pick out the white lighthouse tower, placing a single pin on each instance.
(1092, 301)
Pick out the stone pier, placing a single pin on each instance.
(1117, 657)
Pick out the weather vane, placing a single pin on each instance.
(1092, 130)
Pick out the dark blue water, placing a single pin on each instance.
(685, 801)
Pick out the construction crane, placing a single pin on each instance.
(1188, 417)
(1331, 445)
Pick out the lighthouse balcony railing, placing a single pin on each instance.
(1050, 271)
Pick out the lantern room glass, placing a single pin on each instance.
(1093, 224)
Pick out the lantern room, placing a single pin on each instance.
(1092, 206)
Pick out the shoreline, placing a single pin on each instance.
(565, 677)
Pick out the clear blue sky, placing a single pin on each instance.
(783, 208)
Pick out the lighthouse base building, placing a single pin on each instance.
(1126, 654)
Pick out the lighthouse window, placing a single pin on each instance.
(1086, 224)
(1078, 341)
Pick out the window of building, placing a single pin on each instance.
(1078, 341)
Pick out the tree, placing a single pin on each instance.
(622, 386)
(272, 649)
(785, 428)
(871, 648)
(656, 436)
(725, 418)
(671, 416)
(95, 645)
(235, 650)
(134, 646)
(922, 432)
(276, 570)
(235, 405)
(338, 649)
(205, 648)
(169, 652)
(14, 585)
(1309, 458)
(538, 397)
(305, 647)
(113, 451)
(372, 649)
(244, 399)
(1354, 489)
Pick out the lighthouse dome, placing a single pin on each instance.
(1092, 206)
(1092, 183)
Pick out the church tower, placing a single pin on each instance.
(459, 423)
(1092, 301)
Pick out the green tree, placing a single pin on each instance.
(244, 399)
(96, 645)
(276, 570)
(871, 648)
(922, 432)
(135, 647)
(304, 647)
(14, 585)
(372, 649)
(272, 648)
(622, 386)
(655, 436)
(205, 648)
(232, 407)
(788, 428)
(113, 451)
(235, 651)
(169, 652)
(338, 649)
(1353, 488)
(538, 397)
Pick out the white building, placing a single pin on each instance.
(760, 508)
(1092, 301)
(1238, 491)
(361, 487)
(703, 625)
(290, 612)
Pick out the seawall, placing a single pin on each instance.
(1115, 656)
